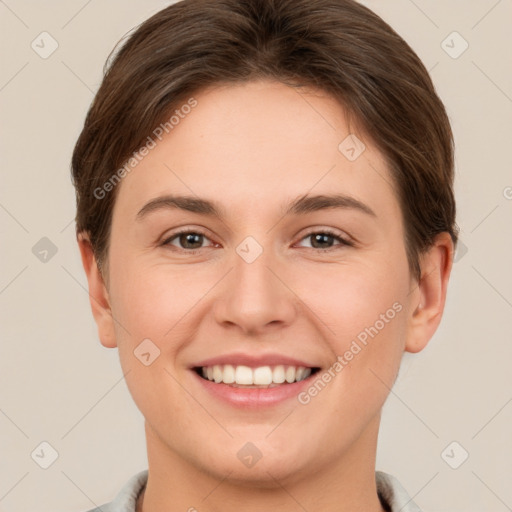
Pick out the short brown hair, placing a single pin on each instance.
(338, 46)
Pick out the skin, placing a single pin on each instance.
(253, 148)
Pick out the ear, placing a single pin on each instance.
(429, 295)
(98, 293)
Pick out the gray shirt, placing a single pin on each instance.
(391, 493)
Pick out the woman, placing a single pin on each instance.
(266, 219)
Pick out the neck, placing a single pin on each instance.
(347, 484)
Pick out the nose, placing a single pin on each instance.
(256, 297)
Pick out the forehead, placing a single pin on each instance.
(259, 143)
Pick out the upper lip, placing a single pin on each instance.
(253, 361)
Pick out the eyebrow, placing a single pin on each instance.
(304, 204)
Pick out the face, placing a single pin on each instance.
(264, 277)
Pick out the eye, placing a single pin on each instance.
(322, 239)
(190, 241)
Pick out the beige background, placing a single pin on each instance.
(59, 385)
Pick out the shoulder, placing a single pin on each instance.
(393, 494)
(126, 499)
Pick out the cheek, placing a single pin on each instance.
(152, 306)
(151, 301)
(159, 309)
(347, 298)
(361, 312)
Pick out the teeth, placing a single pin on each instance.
(228, 377)
(217, 374)
(290, 374)
(260, 376)
(243, 374)
(278, 375)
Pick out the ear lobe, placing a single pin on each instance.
(98, 293)
(430, 293)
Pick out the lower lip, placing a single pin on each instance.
(254, 397)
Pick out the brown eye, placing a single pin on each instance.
(191, 240)
(323, 240)
(188, 241)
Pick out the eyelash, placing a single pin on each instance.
(343, 242)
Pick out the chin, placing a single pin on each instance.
(269, 475)
(259, 463)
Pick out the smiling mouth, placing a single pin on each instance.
(259, 377)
